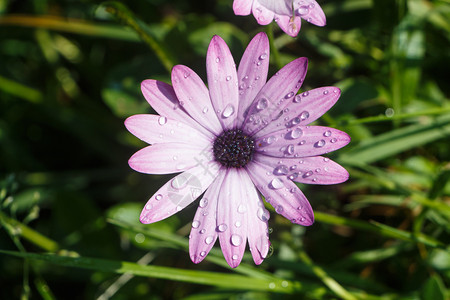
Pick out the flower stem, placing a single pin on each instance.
(275, 54)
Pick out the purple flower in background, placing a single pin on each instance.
(287, 13)
(233, 141)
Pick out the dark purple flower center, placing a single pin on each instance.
(233, 148)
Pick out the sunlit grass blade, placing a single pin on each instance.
(237, 282)
(397, 141)
(19, 90)
(71, 25)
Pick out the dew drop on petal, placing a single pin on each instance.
(222, 227)
(209, 240)
(158, 197)
(179, 182)
(333, 140)
(235, 257)
(203, 253)
(319, 144)
(290, 149)
(297, 99)
(307, 174)
(237, 224)
(236, 240)
(263, 214)
(279, 209)
(325, 92)
(294, 134)
(195, 224)
(305, 94)
(228, 111)
(304, 115)
(242, 208)
(276, 184)
(228, 78)
(281, 170)
(205, 110)
(203, 202)
(217, 59)
(327, 133)
(303, 10)
(262, 104)
(162, 120)
(202, 231)
(263, 56)
(289, 95)
(148, 206)
(293, 176)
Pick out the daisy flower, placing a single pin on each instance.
(287, 13)
(238, 139)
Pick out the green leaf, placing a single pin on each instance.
(433, 289)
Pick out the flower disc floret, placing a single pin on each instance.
(233, 148)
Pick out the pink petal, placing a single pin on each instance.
(309, 170)
(156, 129)
(232, 213)
(262, 15)
(305, 108)
(222, 81)
(258, 237)
(290, 25)
(252, 72)
(275, 95)
(311, 11)
(163, 100)
(242, 7)
(203, 233)
(194, 98)
(282, 194)
(168, 158)
(282, 7)
(179, 192)
(301, 141)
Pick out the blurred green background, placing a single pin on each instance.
(69, 75)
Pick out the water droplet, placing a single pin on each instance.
(195, 224)
(187, 74)
(203, 253)
(293, 176)
(290, 149)
(258, 63)
(262, 104)
(326, 159)
(302, 142)
(162, 120)
(148, 206)
(333, 140)
(319, 144)
(305, 94)
(158, 197)
(279, 209)
(263, 56)
(276, 184)
(217, 59)
(236, 240)
(235, 257)
(303, 10)
(203, 202)
(237, 224)
(175, 157)
(263, 214)
(222, 227)
(307, 174)
(228, 78)
(228, 111)
(272, 285)
(325, 92)
(202, 231)
(297, 99)
(304, 115)
(294, 134)
(327, 133)
(205, 110)
(209, 240)
(179, 182)
(281, 170)
(242, 208)
(181, 166)
(289, 95)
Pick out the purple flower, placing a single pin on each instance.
(287, 13)
(238, 139)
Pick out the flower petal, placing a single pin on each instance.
(290, 25)
(222, 81)
(275, 95)
(258, 216)
(262, 14)
(164, 101)
(203, 233)
(168, 158)
(282, 7)
(305, 108)
(301, 141)
(194, 98)
(252, 72)
(179, 192)
(311, 11)
(282, 194)
(232, 213)
(242, 7)
(309, 170)
(156, 129)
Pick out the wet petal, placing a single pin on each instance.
(242, 7)
(154, 129)
(252, 72)
(179, 192)
(164, 101)
(275, 95)
(194, 98)
(282, 7)
(301, 141)
(305, 108)
(222, 82)
(168, 158)
(311, 11)
(262, 15)
(309, 170)
(232, 213)
(203, 233)
(290, 25)
(282, 194)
